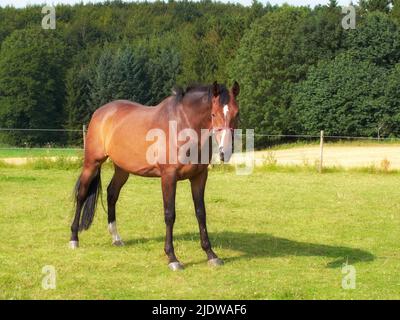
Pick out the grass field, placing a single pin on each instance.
(38, 152)
(284, 234)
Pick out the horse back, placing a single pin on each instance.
(119, 129)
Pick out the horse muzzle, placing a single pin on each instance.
(224, 155)
(221, 154)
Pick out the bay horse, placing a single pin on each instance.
(117, 131)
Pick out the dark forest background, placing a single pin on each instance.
(299, 70)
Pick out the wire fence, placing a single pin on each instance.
(299, 136)
(76, 137)
(316, 149)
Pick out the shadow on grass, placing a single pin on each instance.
(253, 245)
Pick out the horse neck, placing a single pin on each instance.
(195, 115)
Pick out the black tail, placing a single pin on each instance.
(90, 202)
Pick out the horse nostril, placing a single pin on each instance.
(221, 156)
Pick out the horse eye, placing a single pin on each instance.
(213, 114)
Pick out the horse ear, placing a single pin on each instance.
(215, 89)
(235, 89)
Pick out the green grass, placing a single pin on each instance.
(8, 152)
(59, 162)
(282, 234)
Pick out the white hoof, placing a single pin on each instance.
(118, 243)
(216, 262)
(74, 244)
(116, 239)
(175, 266)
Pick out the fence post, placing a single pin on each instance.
(321, 150)
(84, 136)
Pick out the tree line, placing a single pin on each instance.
(300, 71)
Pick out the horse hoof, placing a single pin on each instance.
(216, 262)
(118, 243)
(175, 266)
(73, 244)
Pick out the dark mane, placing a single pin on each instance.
(179, 93)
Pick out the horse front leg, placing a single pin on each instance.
(168, 185)
(198, 184)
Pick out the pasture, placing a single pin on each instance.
(382, 155)
(9, 152)
(283, 234)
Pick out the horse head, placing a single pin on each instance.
(224, 117)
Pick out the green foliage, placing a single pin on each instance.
(356, 93)
(395, 13)
(343, 97)
(163, 70)
(119, 75)
(140, 50)
(390, 124)
(375, 5)
(145, 75)
(262, 67)
(274, 54)
(78, 109)
(32, 67)
(376, 39)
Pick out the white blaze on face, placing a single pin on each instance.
(221, 143)
(225, 110)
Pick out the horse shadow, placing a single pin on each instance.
(257, 245)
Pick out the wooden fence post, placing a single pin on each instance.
(321, 150)
(84, 136)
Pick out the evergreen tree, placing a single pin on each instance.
(163, 71)
(120, 75)
(32, 71)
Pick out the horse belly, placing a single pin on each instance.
(127, 148)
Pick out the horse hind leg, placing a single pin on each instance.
(88, 186)
(87, 190)
(90, 175)
(118, 180)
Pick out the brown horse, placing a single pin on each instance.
(120, 129)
